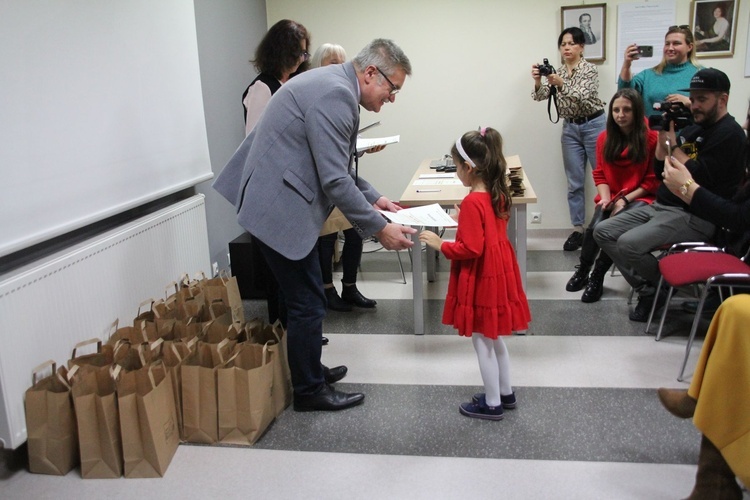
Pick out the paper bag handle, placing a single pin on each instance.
(176, 351)
(85, 343)
(150, 303)
(41, 367)
(219, 347)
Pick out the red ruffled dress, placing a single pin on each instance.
(485, 291)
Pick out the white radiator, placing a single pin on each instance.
(49, 306)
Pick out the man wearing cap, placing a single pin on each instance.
(713, 151)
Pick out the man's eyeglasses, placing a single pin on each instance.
(394, 89)
(681, 26)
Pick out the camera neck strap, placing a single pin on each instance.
(553, 96)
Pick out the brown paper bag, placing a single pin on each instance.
(148, 423)
(173, 355)
(262, 333)
(51, 423)
(224, 290)
(98, 422)
(245, 402)
(199, 398)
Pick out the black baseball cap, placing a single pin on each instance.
(709, 79)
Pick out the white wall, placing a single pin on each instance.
(471, 62)
(228, 32)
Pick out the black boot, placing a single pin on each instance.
(595, 286)
(579, 279)
(335, 303)
(353, 296)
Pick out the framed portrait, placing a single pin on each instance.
(714, 26)
(592, 19)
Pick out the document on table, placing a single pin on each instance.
(428, 215)
(365, 144)
(438, 182)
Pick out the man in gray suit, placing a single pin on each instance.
(287, 176)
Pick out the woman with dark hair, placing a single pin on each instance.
(661, 83)
(576, 86)
(281, 53)
(624, 178)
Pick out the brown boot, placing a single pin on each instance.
(714, 479)
(677, 402)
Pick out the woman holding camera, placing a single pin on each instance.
(624, 178)
(660, 83)
(575, 86)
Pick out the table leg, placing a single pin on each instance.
(430, 257)
(417, 285)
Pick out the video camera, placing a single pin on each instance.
(545, 69)
(672, 112)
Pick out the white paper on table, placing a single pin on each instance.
(365, 144)
(438, 176)
(438, 182)
(428, 215)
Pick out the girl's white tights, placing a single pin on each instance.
(494, 365)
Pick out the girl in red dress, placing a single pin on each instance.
(485, 299)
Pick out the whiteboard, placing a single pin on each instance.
(101, 111)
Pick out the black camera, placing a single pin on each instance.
(545, 69)
(671, 112)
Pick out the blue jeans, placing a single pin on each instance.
(578, 147)
(301, 288)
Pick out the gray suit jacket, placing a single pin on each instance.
(288, 174)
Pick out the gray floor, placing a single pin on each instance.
(588, 422)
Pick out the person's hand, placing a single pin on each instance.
(375, 149)
(535, 73)
(675, 174)
(604, 202)
(556, 80)
(384, 203)
(685, 100)
(631, 53)
(393, 236)
(618, 205)
(667, 140)
(431, 239)
(457, 208)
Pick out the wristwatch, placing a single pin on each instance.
(684, 187)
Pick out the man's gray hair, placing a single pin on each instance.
(384, 54)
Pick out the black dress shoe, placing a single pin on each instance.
(327, 399)
(334, 301)
(351, 295)
(333, 375)
(325, 340)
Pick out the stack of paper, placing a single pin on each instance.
(515, 181)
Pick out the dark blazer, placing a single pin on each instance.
(295, 165)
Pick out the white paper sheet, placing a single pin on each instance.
(365, 144)
(428, 215)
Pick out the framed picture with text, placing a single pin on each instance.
(714, 26)
(592, 19)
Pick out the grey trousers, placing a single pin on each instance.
(631, 237)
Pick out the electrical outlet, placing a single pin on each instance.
(536, 217)
(216, 268)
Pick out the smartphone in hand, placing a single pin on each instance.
(645, 51)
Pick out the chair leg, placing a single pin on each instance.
(693, 330)
(653, 306)
(630, 295)
(664, 313)
(401, 266)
